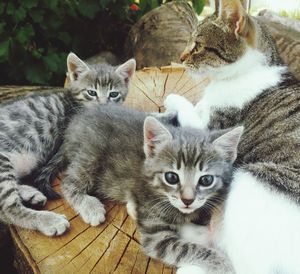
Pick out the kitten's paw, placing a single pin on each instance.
(177, 103)
(92, 211)
(31, 196)
(191, 269)
(52, 224)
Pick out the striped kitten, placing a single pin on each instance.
(31, 133)
(261, 223)
(176, 179)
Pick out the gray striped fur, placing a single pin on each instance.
(31, 133)
(104, 152)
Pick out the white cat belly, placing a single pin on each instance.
(261, 229)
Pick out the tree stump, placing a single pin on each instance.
(112, 247)
(161, 35)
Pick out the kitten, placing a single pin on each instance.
(32, 131)
(260, 226)
(169, 175)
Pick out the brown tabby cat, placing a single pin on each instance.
(250, 86)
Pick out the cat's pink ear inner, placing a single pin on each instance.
(155, 134)
(227, 144)
(126, 70)
(232, 12)
(76, 67)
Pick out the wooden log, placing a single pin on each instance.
(161, 35)
(112, 247)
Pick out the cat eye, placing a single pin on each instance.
(91, 92)
(171, 178)
(206, 180)
(114, 94)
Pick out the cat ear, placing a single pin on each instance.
(76, 67)
(127, 70)
(227, 144)
(155, 134)
(232, 11)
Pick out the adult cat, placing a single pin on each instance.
(260, 227)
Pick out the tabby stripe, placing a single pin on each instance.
(162, 246)
(4, 195)
(3, 158)
(157, 229)
(216, 52)
(184, 251)
(204, 254)
(8, 177)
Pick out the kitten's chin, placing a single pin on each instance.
(186, 210)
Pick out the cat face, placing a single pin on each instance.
(192, 169)
(220, 39)
(99, 83)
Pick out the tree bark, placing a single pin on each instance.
(161, 35)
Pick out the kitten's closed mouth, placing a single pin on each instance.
(186, 210)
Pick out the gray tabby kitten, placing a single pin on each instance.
(31, 133)
(259, 230)
(167, 176)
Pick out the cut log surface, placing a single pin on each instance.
(150, 87)
(112, 247)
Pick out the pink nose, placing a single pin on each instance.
(187, 202)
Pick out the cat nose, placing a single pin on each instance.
(187, 52)
(187, 202)
(184, 55)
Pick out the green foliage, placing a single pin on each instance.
(147, 5)
(37, 35)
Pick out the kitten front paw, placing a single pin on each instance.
(52, 224)
(92, 211)
(176, 103)
(31, 196)
(191, 269)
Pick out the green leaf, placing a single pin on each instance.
(24, 34)
(198, 5)
(143, 5)
(2, 7)
(20, 14)
(154, 4)
(34, 75)
(36, 54)
(104, 3)
(2, 25)
(29, 4)
(10, 9)
(64, 37)
(4, 49)
(89, 10)
(52, 3)
(37, 15)
(52, 61)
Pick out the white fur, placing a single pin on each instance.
(261, 228)
(232, 86)
(91, 210)
(23, 162)
(191, 269)
(131, 209)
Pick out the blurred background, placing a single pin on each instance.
(37, 35)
